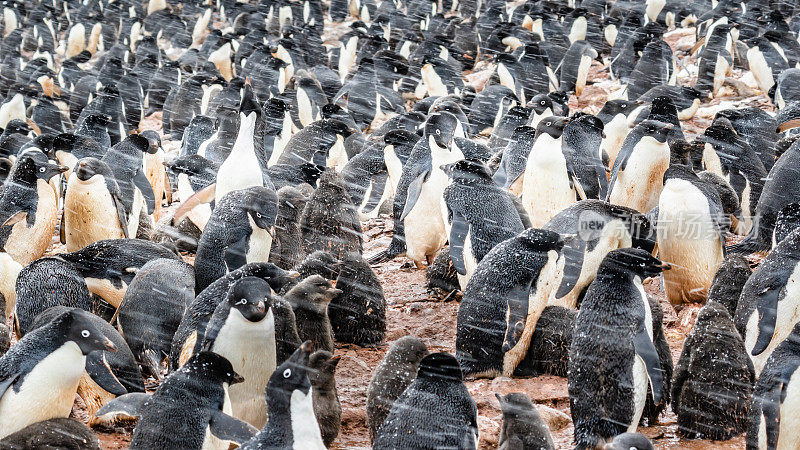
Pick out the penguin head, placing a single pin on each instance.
(85, 333)
(539, 240)
(262, 206)
(87, 168)
(719, 134)
(276, 277)
(336, 127)
(251, 297)
(788, 221)
(211, 366)
(553, 126)
(614, 107)
(630, 441)
(514, 404)
(192, 165)
(289, 377)
(540, 103)
(633, 262)
(441, 127)
(468, 172)
(153, 139)
(323, 263)
(311, 172)
(440, 366)
(587, 122)
(315, 290)
(137, 143)
(656, 129)
(100, 120)
(663, 107)
(35, 164)
(788, 117)
(321, 369)
(17, 126)
(407, 350)
(524, 133)
(520, 112)
(400, 137)
(249, 105)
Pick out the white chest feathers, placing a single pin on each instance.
(47, 391)
(260, 243)
(250, 347)
(241, 168)
(305, 429)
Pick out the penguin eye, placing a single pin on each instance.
(624, 106)
(242, 302)
(287, 373)
(541, 102)
(85, 333)
(258, 215)
(438, 132)
(42, 169)
(549, 123)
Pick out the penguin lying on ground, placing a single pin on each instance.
(197, 393)
(54, 433)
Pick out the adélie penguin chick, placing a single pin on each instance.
(309, 300)
(292, 423)
(329, 221)
(615, 324)
(61, 432)
(196, 396)
(40, 374)
(394, 374)
(435, 411)
(503, 300)
(630, 441)
(327, 409)
(522, 426)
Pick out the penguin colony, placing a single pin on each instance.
(190, 192)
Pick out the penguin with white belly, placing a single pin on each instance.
(716, 59)
(690, 233)
(776, 398)
(580, 145)
(614, 115)
(239, 231)
(196, 396)
(94, 209)
(599, 227)
(514, 158)
(637, 178)
(615, 325)
(770, 301)
(480, 215)
(243, 168)
(418, 203)
(292, 423)
(126, 160)
(39, 375)
(242, 329)
(29, 207)
(548, 183)
(503, 301)
(398, 145)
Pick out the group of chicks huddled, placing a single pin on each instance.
(290, 137)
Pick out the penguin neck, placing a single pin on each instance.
(280, 417)
(244, 140)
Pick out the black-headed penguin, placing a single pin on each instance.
(196, 395)
(614, 115)
(29, 207)
(773, 423)
(514, 157)
(368, 179)
(599, 227)
(614, 323)
(126, 160)
(580, 144)
(239, 231)
(637, 177)
(292, 423)
(515, 277)
(40, 374)
(574, 69)
(194, 173)
(548, 183)
(93, 206)
(480, 215)
(436, 410)
(690, 232)
(770, 300)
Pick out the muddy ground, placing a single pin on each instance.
(413, 310)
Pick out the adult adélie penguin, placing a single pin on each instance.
(636, 179)
(614, 324)
(126, 160)
(780, 189)
(418, 203)
(243, 167)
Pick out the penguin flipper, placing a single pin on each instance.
(62, 231)
(236, 254)
(17, 217)
(5, 384)
(573, 264)
(205, 195)
(141, 182)
(98, 369)
(130, 405)
(458, 234)
(378, 186)
(646, 350)
(229, 428)
(121, 214)
(767, 307)
(414, 191)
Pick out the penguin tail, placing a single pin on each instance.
(396, 248)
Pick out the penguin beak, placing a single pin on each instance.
(62, 169)
(335, 291)
(236, 379)
(293, 274)
(271, 232)
(664, 265)
(261, 307)
(109, 346)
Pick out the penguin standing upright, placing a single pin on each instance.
(636, 180)
(688, 201)
(515, 277)
(93, 206)
(770, 301)
(239, 231)
(580, 143)
(615, 323)
(327, 407)
(197, 395)
(514, 158)
(126, 160)
(522, 425)
(548, 184)
(479, 215)
(292, 423)
(329, 221)
(436, 410)
(40, 374)
(773, 423)
(309, 300)
(28, 207)
(243, 167)
(358, 313)
(394, 374)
